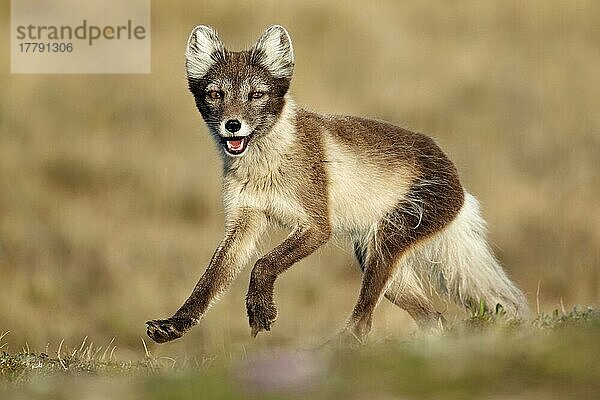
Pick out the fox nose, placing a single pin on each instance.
(233, 125)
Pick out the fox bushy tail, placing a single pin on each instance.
(457, 262)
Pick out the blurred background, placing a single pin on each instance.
(110, 201)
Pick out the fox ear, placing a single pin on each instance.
(204, 48)
(274, 51)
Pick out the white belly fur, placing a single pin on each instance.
(360, 192)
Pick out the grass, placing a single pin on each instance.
(486, 356)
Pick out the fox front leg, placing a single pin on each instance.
(259, 300)
(229, 258)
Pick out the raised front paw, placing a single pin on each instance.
(165, 330)
(261, 314)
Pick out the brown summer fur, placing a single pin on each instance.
(383, 187)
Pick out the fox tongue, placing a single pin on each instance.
(235, 145)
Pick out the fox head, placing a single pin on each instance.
(239, 94)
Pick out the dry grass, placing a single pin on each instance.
(109, 185)
(484, 357)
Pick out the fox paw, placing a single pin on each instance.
(261, 315)
(165, 330)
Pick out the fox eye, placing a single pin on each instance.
(256, 95)
(215, 94)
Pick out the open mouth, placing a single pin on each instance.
(236, 145)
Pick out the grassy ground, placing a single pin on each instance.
(486, 356)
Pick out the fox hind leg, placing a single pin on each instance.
(377, 273)
(405, 291)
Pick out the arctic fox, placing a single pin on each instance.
(392, 192)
